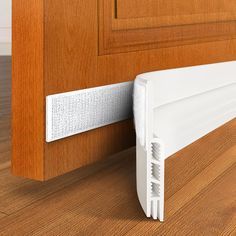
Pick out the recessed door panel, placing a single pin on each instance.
(127, 9)
(130, 25)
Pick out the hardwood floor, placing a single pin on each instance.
(101, 199)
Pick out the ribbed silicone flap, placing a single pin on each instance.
(174, 108)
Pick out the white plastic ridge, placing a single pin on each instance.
(172, 109)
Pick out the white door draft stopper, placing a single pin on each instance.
(172, 109)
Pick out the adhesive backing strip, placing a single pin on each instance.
(79, 111)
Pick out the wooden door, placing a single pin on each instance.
(67, 45)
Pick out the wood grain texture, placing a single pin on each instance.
(115, 66)
(28, 89)
(17, 193)
(2, 215)
(134, 25)
(152, 8)
(102, 200)
(64, 54)
(230, 228)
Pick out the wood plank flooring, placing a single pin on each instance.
(2, 215)
(101, 199)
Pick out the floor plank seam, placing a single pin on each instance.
(56, 192)
(202, 170)
(3, 213)
(201, 193)
(5, 165)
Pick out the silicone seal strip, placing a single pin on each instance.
(172, 109)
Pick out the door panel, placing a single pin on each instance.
(128, 9)
(138, 23)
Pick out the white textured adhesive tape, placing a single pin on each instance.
(79, 111)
